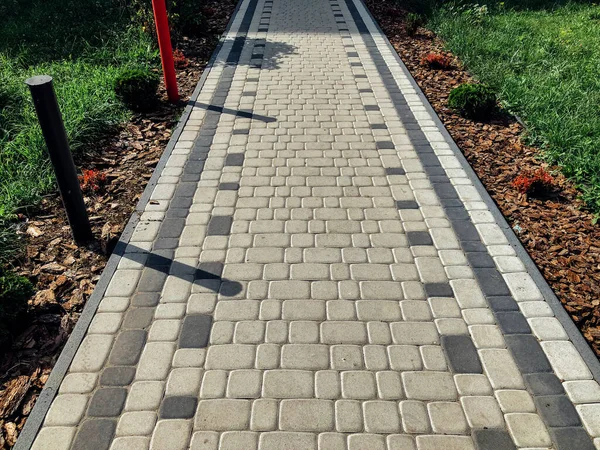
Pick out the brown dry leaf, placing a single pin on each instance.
(12, 395)
(34, 231)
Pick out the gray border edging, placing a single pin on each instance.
(557, 308)
(42, 405)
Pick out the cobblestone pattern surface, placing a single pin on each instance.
(315, 270)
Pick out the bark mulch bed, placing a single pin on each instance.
(64, 274)
(557, 232)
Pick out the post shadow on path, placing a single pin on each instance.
(233, 112)
(159, 264)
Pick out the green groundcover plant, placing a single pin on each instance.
(137, 88)
(474, 101)
(14, 292)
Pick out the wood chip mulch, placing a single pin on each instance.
(64, 274)
(557, 232)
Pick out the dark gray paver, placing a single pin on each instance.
(528, 353)
(572, 438)
(544, 384)
(107, 402)
(178, 407)
(195, 331)
(117, 376)
(462, 354)
(419, 238)
(493, 439)
(557, 411)
(95, 434)
(128, 348)
(219, 226)
(512, 322)
(138, 318)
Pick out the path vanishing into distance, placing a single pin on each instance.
(315, 266)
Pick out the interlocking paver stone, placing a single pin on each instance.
(316, 270)
(107, 402)
(461, 353)
(176, 407)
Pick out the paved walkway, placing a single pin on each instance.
(315, 269)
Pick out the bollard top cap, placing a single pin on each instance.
(38, 80)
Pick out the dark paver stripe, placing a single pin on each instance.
(145, 299)
(407, 204)
(234, 159)
(395, 171)
(385, 145)
(138, 318)
(503, 303)
(512, 322)
(229, 186)
(571, 438)
(480, 259)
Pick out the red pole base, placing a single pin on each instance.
(166, 50)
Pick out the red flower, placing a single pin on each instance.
(181, 62)
(534, 183)
(92, 181)
(437, 61)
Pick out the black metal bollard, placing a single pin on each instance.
(55, 136)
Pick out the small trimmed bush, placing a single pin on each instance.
(14, 293)
(137, 88)
(412, 23)
(473, 101)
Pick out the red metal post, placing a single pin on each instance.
(166, 51)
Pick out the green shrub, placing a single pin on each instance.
(14, 293)
(137, 88)
(474, 101)
(412, 22)
(422, 7)
(185, 16)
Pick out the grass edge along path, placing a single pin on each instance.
(543, 64)
(89, 107)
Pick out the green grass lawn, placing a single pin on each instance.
(543, 59)
(82, 44)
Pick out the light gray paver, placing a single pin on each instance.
(305, 220)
